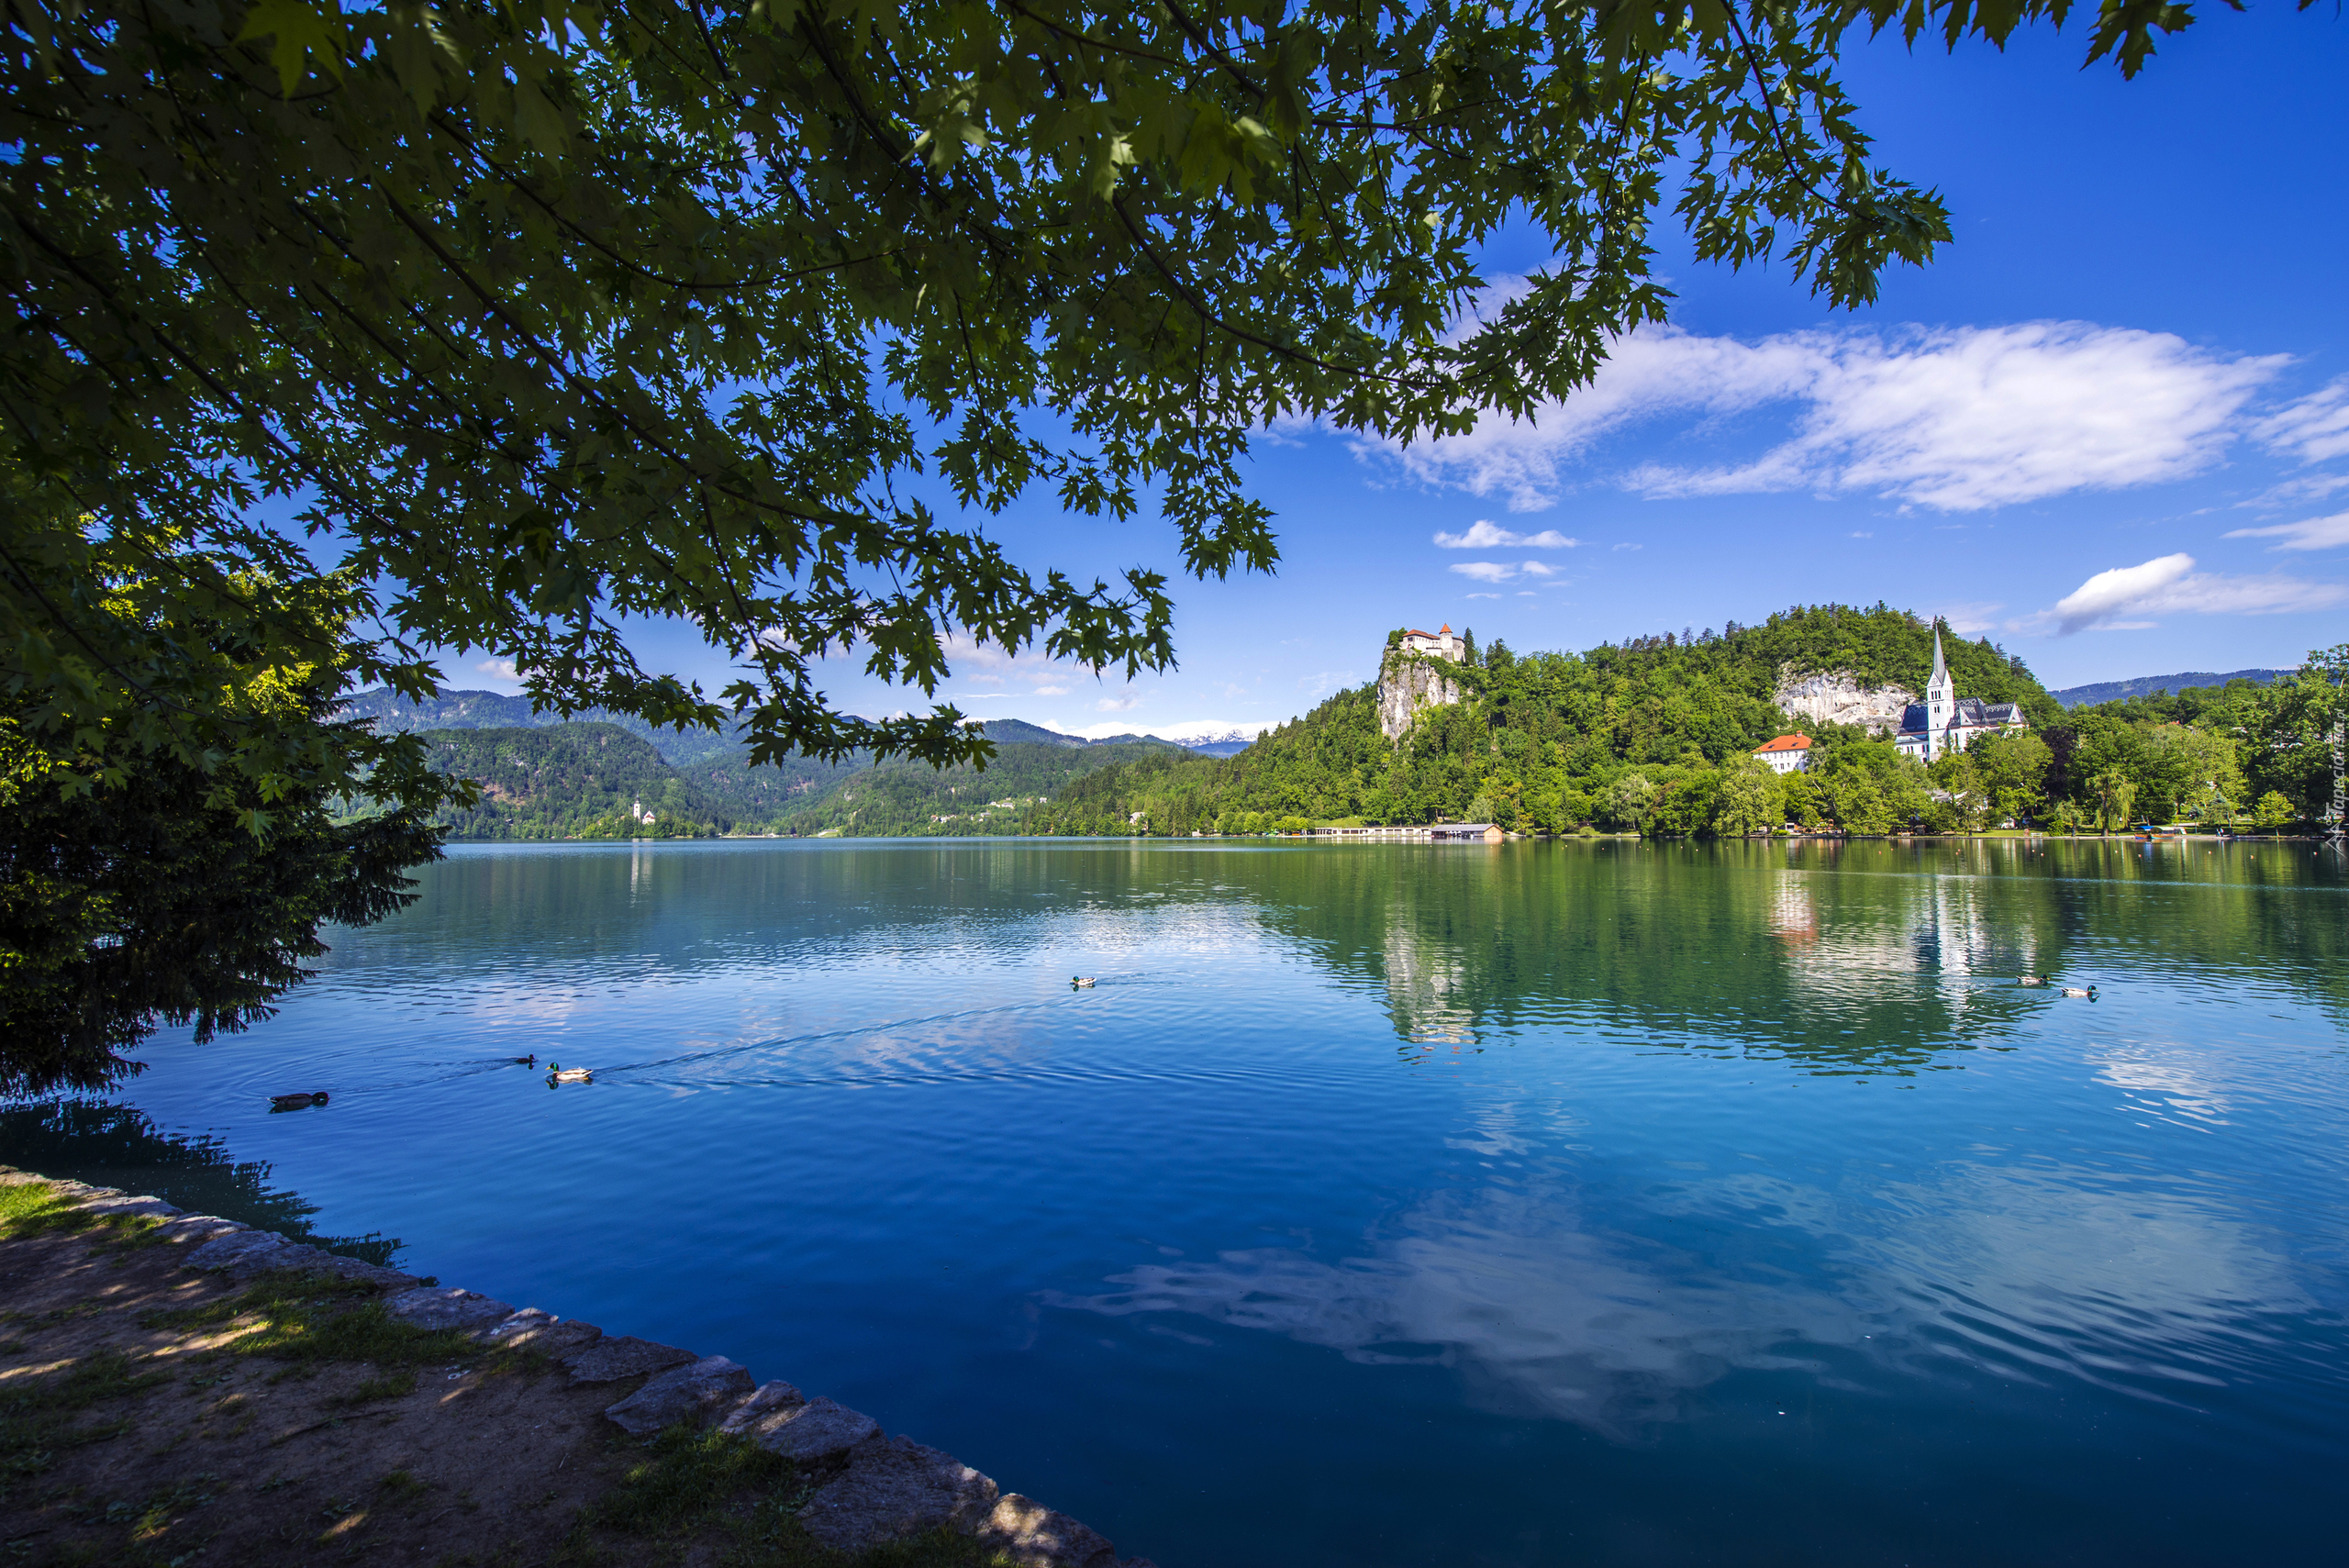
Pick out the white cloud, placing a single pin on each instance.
(987, 664)
(1483, 535)
(2169, 584)
(2313, 429)
(1189, 731)
(1118, 702)
(1970, 619)
(2317, 533)
(1858, 535)
(1630, 547)
(1051, 691)
(498, 669)
(1484, 571)
(1484, 595)
(1956, 419)
(1538, 569)
(1324, 683)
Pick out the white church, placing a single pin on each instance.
(1945, 722)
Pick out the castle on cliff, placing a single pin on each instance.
(1406, 686)
(1945, 722)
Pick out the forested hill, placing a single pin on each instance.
(597, 780)
(570, 781)
(1544, 740)
(2150, 685)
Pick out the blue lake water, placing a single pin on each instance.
(1406, 1205)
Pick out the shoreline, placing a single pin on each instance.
(146, 1345)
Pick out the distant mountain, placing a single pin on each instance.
(495, 710)
(569, 781)
(1019, 732)
(2146, 685)
(1014, 731)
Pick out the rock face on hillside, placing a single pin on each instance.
(1408, 685)
(1835, 697)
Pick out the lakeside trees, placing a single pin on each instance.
(342, 337)
(1656, 736)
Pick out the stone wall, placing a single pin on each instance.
(1407, 684)
(864, 1487)
(1836, 696)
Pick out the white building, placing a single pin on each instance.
(1436, 644)
(1787, 754)
(1945, 722)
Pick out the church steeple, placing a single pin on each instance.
(1941, 701)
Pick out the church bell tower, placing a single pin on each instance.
(1941, 702)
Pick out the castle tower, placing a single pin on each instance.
(1941, 702)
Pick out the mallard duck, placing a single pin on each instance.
(2088, 991)
(1082, 982)
(296, 1102)
(2031, 979)
(557, 1073)
(530, 1061)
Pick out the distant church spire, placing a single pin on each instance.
(1941, 665)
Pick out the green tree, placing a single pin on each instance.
(552, 315)
(2273, 811)
(1631, 801)
(2113, 792)
(1750, 800)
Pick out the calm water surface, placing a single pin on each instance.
(1402, 1204)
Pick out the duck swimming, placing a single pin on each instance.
(557, 1073)
(2031, 980)
(2088, 991)
(1080, 982)
(295, 1102)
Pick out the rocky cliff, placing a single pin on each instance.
(1837, 698)
(1407, 684)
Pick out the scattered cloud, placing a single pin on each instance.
(2317, 533)
(1956, 419)
(1630, 547)
(1325, 681)
(1483, 535)
(1484, 571)
(2123, 596)
(1189, 730)
(987, 664)
(1484, 595)
(1858, 533)
(500, 670)
(1970, 619)
(1118, 702)
(2313, 429)
(1538, 568)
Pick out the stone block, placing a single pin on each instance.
(892, 1490)
(617, 1356)
(1034, 1536)
(238, 1249)
(439, 1306)
(531, 1330)
(148, 1208)
(770, 1401)
(696, 1394)
(814, 1433)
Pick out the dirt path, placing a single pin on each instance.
(152, 1415)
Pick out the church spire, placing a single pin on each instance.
(1941, 666)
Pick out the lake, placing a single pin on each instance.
(1577, 1202)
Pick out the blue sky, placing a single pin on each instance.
(2110, 426)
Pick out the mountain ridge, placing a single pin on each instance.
(2096, 692)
